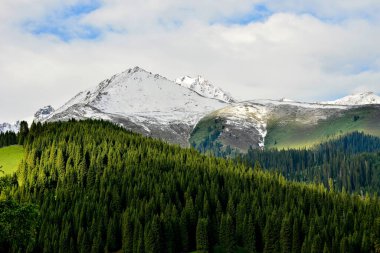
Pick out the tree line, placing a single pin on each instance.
(9, 138)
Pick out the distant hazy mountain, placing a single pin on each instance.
(4, 127)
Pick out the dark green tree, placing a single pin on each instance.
(286, 235)
(18, 226)
(23, 132)
(202, 234)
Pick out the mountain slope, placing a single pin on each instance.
(281, 124)
(294, 132)
(240, 125)
(142, 102)
(131, 194)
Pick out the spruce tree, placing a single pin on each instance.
(286, 235)
(249, 234)
(202, 234)
(23, 132)
(127, 234)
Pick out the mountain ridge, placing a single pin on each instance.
(143, 102)
(193, 111)
(204, 88)
(361, 98)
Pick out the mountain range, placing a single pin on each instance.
(193, 111)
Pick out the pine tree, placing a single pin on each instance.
(184, 232)
(326, 249)
(285, 235)
(226, 234)
(376, 234)
(257, 166)
(296, 241)
(249, 234)
(153, 240)
(112, 243)
(127, 234)
(23, 132)
(202, 234)
(138, 239)
(60, 164)
(270, 235)
(316, 245)
(344, 247)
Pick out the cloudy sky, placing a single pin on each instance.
(306, 50)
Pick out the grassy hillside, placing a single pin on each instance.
(10, 158)
(206, 132)
(286, 128)
(295, 134)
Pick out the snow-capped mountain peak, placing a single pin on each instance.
(7, 127)
(204, 88)
(141, 101)
(137, 69)
(361, 98)
(43, 113)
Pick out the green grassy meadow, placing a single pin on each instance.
(298, 135)
(10, 158)
(205, 128)
(284, 132)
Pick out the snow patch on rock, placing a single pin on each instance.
(247, 116)
(204, 88)
(43, 113)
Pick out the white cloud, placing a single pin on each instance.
(287, 55)
(140, 16)
(330, 9)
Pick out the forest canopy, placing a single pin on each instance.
(98, 188)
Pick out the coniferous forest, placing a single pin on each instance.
(91, 186)
(351, 162)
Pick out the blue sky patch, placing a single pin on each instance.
(258, 13)
(64, 32)
(81, 9)
(65, 23)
